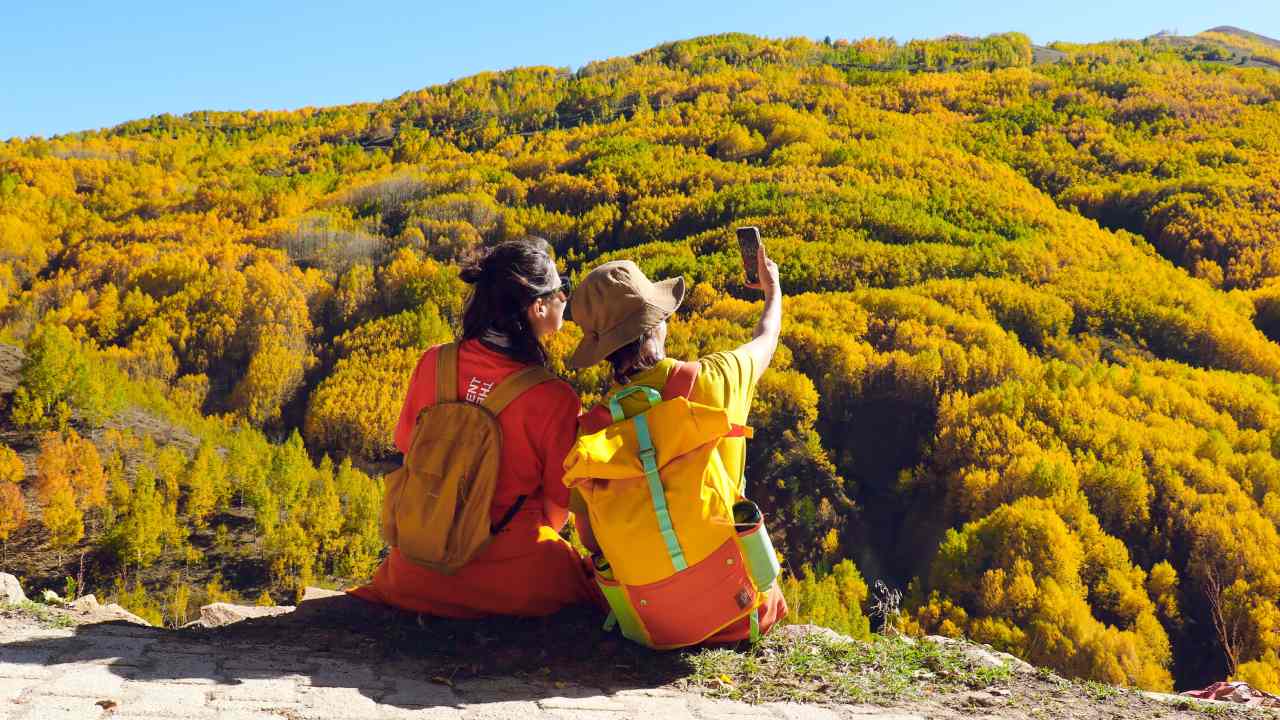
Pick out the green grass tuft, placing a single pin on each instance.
(818, 669)
(43, 614)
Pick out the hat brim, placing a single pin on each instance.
(660, 304)
(668, 295)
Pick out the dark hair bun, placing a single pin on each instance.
(475, 267)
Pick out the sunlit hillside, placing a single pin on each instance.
(1028, 375)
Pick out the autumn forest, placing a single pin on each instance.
(1028, 374)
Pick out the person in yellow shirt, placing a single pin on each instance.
(623, 316)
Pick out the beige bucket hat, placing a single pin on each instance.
(615, 304)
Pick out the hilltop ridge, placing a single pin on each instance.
(1230, 30)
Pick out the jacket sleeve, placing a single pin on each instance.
(558, 436)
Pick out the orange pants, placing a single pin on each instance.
(527, 570)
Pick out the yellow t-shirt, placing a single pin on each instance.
(725, 380)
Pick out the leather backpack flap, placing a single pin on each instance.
(442, 512)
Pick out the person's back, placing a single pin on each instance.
(526, 568)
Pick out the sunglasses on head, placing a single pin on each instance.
(566, 287)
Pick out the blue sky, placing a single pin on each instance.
(68, 66)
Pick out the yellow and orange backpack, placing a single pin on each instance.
(685, 555)
(436, 505)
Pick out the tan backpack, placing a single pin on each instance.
(436, 505)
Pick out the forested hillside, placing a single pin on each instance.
(1028, 373)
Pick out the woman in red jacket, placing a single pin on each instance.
(517, 299)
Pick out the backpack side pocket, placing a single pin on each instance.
(757, 548)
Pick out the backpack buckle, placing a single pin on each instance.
(649, 456)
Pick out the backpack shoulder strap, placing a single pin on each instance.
(514, 385)
(508, 516)
(447, 373)
(680, 381)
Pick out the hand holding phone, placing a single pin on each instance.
(749, 245)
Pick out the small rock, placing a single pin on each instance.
(799, 632)
(1167, 698)
(315, 593)
(221, 614)
(979, 698)
(984, 655)
(49, 597)
(112, 611)
(86, 604)
(11, 590)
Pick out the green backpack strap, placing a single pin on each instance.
(649, 459)
(615, 401)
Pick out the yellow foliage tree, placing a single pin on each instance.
(74, 459)
(60, 515)
(13, 513)
(832, 600)
(274, 374)
(12, 469)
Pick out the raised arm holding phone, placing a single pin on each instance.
(765, 340)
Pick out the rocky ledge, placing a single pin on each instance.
(335, 657)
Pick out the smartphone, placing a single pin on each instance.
(749, 244)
